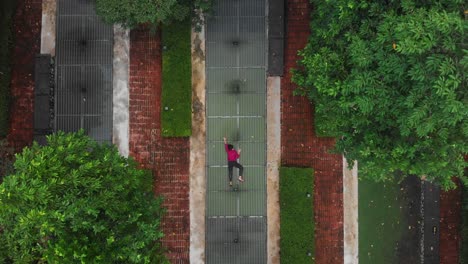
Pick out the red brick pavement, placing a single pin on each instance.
(450, 224)
(27, 33)
(167, 157)
(302, 148)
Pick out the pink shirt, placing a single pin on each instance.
(231, 154)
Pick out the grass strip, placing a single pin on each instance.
(297, 215)
(7, 10)
(176, 112)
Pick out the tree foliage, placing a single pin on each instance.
(388, 80)
(131, 13)
(76, 201)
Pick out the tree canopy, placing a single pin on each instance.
(131, 13)
(388, 80)
(76, 201)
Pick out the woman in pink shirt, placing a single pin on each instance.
(232, 156)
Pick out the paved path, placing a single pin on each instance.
(27, 34)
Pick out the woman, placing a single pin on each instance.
(232, 156)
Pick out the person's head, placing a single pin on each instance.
(230, 147)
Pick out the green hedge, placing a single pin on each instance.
(464, 231)
(176, 112)
(7, 9)
(297, 215)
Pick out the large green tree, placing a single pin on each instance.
(132, 13)
(388, 80)
(76, 201)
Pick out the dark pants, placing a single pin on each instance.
(231, 165)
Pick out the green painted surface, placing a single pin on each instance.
(218, 179)
(249, 104)
(223, 79)
(251, 203)
(381, 222)
(228, 107)
(253, 153)
(219, 127)
(222, 203)
(236, 109)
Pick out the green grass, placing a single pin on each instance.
(7, 9)
(176, 112)
(381, 222)
(297, 215)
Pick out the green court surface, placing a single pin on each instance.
(236, 109)
(388, 217)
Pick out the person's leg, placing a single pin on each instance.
(230, 168)
(241, 171)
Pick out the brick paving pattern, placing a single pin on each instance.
(168, 158)
(450, 224)
(302, 148)
(27, 34)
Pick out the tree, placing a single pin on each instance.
(387, 79)
(131, 13)
(76, 201)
